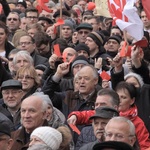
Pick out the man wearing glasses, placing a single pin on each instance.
(13, 23)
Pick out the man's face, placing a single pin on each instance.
(99, 126)
(145, 20)
(66, 32)
(104, 100)
(94, 24)
(82, 35)
(13, 22)
(82, 3)
(5, 142)
(32, 113)
(12, 97)
(21, 8)
(87, 81)
(83, 53)
(32, 17)
(70, 3)
(26, 44)
(76, 68)
(118, 131)
(91, 44)
(69, 53)
(113, 45)
(43, 49)
(115, 32)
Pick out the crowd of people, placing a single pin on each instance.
(61, 68)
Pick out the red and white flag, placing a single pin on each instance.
(126, 17)
(146, 5)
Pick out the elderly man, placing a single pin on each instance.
(5, 135)
(120, 129)
(12, 94)
(33, 114)
(99, 121)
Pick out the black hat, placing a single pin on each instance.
(105, 112)
(116, 37)
(80, 60)
(4, 128)
(112, 144)
(41, 67)
(8, 84)
(97, 37)
(64, 12)
(22, 2)
(46, 19)
(84, 26)
(82, 46)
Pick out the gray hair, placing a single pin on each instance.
(39, 147)
(125, 120)
(45, 100)
(23, 54)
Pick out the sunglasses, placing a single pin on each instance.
(14, 19)
(81, 32)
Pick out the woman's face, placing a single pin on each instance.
(35, 140)
(27, 81)
(3, 36)
(49, 112)
(125, 100)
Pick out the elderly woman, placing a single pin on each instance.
(128, 109)
(30, 81)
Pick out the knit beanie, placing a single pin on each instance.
(41, 67)
(116, 37)
(80, 60)
(97, 38)
(50, 136)
(138, 77)
(68, 23)
(82, 46)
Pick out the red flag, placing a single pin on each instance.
(146, 5)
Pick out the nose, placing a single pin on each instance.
(112, 138)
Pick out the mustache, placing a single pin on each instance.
(100, 131)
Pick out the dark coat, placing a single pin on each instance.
(89, 146)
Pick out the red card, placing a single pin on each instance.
(73, 57)
(1, 8)
(59, 22)
(57, 50)
(128, 54)
(141, 43)
(123, 50)
(64, 56)
(91, 6)
(74, 128)
(105, 76)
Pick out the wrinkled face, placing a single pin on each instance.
(113, 45)
(104, 100)
(87, 81)
(12, 97)
(66, 32)
(27, 81)
(13, 22)
(91, 44)
(5, 142)
(26, 44)
(35, 140)
(3, 36)
(125, 100)
(82, 35)
(32, 113)
(118, 131)
(145, 20)
(32, 17)
(21, 62)
(133, 81)
(99, 126)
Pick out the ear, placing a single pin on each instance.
(95, 81)
(10, 141)
(132, 101)
(132, 140)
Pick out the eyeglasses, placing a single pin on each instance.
(31, 17)
(14, 19)
(85, 32)
(25, 43)
(25, 77)
(117, 136)
(13, 92)
(10, 59)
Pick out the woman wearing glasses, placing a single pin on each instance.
(29, 79)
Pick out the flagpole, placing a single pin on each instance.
(60, 18)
